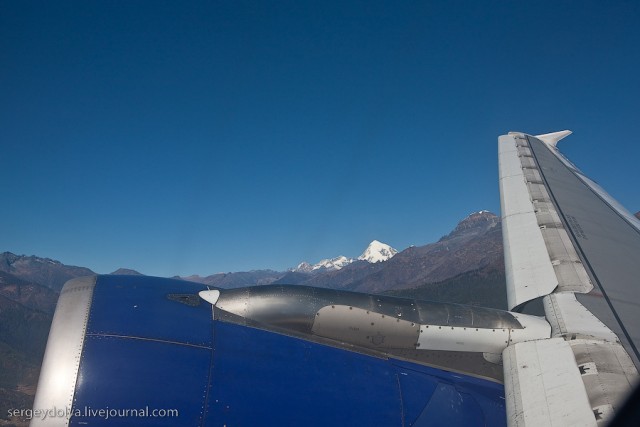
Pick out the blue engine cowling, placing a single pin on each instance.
(148, 351)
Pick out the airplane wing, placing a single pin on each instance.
(570, 247)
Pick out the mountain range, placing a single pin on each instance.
(475, 245)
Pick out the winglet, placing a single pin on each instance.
(553, 138)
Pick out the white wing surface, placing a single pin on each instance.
(573, 249)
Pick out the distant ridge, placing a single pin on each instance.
(238, 279)
(26, 310)
(45, 271)
(474, 244)
(127, 272)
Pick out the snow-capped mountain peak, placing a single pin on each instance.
(304, 267)
(377, 252)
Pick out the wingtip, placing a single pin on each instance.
(553, 138)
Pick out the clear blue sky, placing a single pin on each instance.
(198, 137)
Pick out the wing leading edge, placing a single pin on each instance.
(571, 246)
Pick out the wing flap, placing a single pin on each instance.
(543, 386)
(607, 372)
(570, 318)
